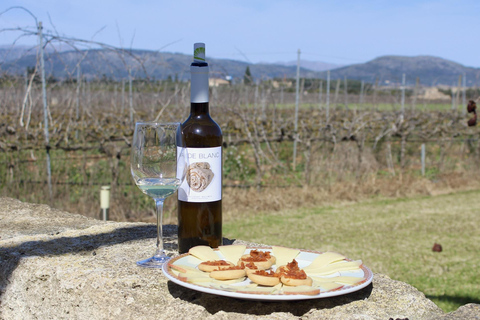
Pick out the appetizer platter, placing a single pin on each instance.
(267, 273)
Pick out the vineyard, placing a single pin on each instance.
(345, 152)
(67, 119)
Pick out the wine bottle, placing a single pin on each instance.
(200, 195)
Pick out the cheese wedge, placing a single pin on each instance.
(306, 290)
(324, 259)
(222, 286)
(284, 255)
(204, 253)
(327, 286)
(216, 284)
(334, 267)
(187, 274)
(257, 290)
(202, 281)
(346, 280)
(225, 285)
(183, 268)
(195, 271)
(317, 280)
(232, 253)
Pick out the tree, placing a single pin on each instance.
(247, 78)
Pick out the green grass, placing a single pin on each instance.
(393, 237)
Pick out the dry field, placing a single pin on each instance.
(357, 173)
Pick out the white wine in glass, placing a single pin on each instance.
(157, 159)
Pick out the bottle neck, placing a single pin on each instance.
(199, 83)
(199, 109)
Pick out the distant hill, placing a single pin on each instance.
(141, 63)
(118, 64)
(311, 65)
(430, 70)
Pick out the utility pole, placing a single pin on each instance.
(403, 96)
(328, 96)
(464, 93)
(320, 89)
(362, 87)
(297, 98)
(345, 91)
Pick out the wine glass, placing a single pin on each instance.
(158, 166)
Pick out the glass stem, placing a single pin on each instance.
(160, 250)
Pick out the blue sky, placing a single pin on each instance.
(340, 32)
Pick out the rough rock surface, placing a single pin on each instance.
(57, 265)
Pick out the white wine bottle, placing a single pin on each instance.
(200, 195)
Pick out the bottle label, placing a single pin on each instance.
(203, 178)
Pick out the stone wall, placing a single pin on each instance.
(58, 265)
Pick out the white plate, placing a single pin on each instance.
(304, 258)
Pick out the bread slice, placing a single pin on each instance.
(228, 274)
(296, 282)
(305, 290)
(263, 280)
(206, 267)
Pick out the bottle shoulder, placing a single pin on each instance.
(201, 123)
(201, 132)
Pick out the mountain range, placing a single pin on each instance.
(118, 64)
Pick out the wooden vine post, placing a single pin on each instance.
(45, 109)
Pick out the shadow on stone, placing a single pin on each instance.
(214, 303)
(11, 256)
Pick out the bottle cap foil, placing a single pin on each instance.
(199, 52)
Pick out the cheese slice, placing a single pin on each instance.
(257, 290)
(334, 267)
(348, 280)
(306, 290)
(324, 259)
(277, 289)
(195, 271)
(227, 287)
(227, 283)
(204, 282)
(284, 255)
(182, 268)
(204, 253)
(232, 253)
(187, 274)
(341, 280)
(220, 285)
(317, 280)
(196, 279)
(327, 286)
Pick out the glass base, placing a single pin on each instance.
(153, 262)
